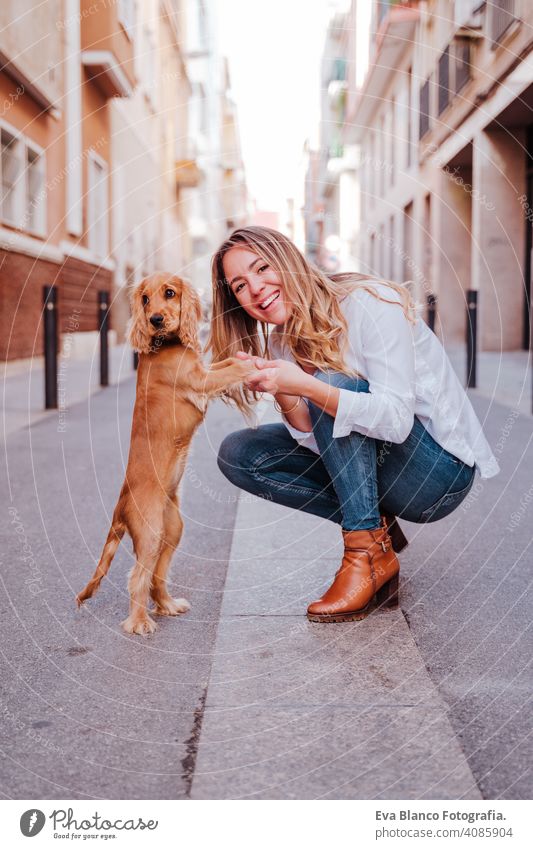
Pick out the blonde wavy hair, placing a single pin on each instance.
(316, 331)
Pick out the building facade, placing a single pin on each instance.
(152, 173)
(119, 155)
(441, 121)
(57, 78)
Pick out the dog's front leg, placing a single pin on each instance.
(230, 372)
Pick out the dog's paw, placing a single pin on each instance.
(137, 625)
(171, 606)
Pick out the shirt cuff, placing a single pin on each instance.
(346, 411)
(303, 437)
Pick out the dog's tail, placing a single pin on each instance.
(116, 532)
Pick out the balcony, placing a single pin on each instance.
(188, 172)
(468, 18)
(107, 51)
(337, 94)
(393, 18)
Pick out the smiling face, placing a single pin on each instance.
(257, 287)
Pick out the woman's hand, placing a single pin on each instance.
(276, 376)
(271, 376)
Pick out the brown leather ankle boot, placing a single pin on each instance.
(369, 569)
(398, 538)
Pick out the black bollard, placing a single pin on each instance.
(471, 338)
(432, 311)
(50, 347)
(103, 322)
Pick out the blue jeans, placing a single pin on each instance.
(355, 477)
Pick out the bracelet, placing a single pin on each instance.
(284, 412)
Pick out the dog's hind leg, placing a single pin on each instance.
(165, 605)
(147, 538)
(116, 532)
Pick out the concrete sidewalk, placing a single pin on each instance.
(296, 710)
(503, 376)
(22, 386)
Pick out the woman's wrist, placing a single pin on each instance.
(286, 403)
(310, 386)
(298, 417)
(321, 394)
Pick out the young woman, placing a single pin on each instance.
(375, 422)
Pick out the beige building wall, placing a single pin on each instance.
(476, 147)
(148, 130)
(382, 123)
(498, 231)
(451, 218)
(173, 95)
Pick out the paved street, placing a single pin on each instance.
(243, 696)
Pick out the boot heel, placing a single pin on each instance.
(387, 596)
(398, 538)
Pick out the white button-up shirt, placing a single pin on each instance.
(409, 374)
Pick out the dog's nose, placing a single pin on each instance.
(157, 320)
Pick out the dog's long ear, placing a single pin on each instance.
(191, 311)
(137, 331)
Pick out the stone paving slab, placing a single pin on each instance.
(277, 586)
(292, 660)
(301, 710)
(271, 530)
(22, 385)
(365, 751)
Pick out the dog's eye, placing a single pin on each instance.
(145, 300)
(169, 293)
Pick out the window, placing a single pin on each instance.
(381, 162)
(35, 192)
(126, 16)
(392, 138)
(444, 80)
(383, 8)
(407, 241)
(22, 167)
(501, 16)
(461, 61)
(391, 249)
(363, 177)
(424, 110)
(149, 64)
(338, 71)
(11, 162)
(409, 116)
(97, 207)
(371, 166)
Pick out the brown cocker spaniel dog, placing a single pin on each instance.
(173, 388)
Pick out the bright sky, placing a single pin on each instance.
(274, 50)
